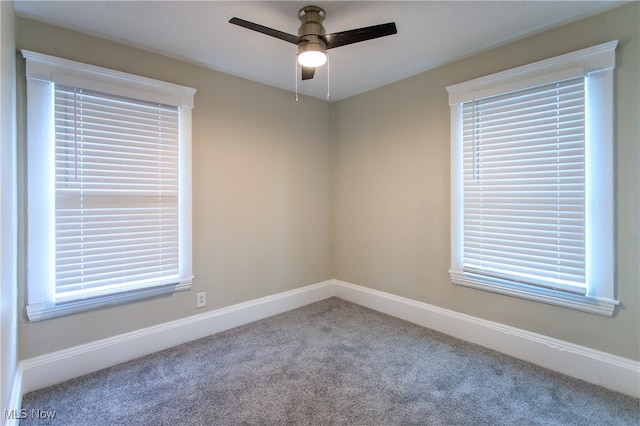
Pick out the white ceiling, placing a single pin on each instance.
(430, 33)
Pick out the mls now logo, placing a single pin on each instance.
(15, 414)
(25, 414)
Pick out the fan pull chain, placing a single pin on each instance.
(295, 77)
(328, 84)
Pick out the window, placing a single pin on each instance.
(532, 181)
(108, 187)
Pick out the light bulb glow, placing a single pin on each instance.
(312, 58)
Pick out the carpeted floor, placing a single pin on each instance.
(331, 362)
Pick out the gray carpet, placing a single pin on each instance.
(331, 362)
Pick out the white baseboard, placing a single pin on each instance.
(15, 401)
(601, 368)
(59, 366)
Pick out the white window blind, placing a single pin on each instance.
(532, 181)
(108, 187)
(524, 185)
(116, 194)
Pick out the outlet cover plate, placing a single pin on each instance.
(201, 300)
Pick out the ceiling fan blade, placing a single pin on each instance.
(308, 72)
(360, 34)
(266, 30)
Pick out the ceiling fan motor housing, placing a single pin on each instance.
(311, 29)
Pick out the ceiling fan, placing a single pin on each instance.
(312, 40)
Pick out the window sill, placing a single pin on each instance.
(43, 311)
(604, 307)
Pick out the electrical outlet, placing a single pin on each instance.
(201, 300)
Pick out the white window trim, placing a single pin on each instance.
(41, 71)
(597, 63)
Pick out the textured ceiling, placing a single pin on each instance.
(430, 33)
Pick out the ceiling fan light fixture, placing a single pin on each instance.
(312, 59)
(311, 55)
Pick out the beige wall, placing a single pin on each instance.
(261, 191)
(392, 188)
(8, 287)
